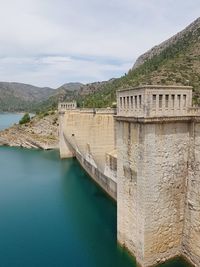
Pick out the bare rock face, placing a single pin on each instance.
(156, 50)
(41, 132)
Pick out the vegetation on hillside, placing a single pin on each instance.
(25, 119)
(23, 97)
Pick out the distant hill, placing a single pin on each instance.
(19, 96)
(26, 97)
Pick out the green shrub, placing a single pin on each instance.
(26, 118)
(45, 114)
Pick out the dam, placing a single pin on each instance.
(89, 135)
(146, 156)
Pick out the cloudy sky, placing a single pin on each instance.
(51, 42)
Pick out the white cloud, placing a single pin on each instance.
(55, 70)
(49, 42)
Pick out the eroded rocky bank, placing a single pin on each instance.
(41, 132)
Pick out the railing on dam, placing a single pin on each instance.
(98, 110)
(194, 111)
(64, 107)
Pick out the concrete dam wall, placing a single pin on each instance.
(89, 135)
(147, 157)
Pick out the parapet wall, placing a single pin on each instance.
(89, 134)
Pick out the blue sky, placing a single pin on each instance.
(48, 42)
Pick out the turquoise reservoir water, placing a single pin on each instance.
(52, 214)
(7, 119)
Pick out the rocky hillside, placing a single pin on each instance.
(156, 50)
(71, 91)
(40, 132)
(174, 62)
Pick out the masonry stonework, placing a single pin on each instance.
(158, 171)
(152, 189)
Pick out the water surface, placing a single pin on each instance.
(52, 214)
(7, 119)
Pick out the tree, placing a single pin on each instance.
(26, 118)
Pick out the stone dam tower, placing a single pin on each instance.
(149, 161)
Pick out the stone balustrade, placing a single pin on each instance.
(194, 111)
(154, 101)
(67, 106)
(62, 107)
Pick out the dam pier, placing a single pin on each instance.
(146, 155)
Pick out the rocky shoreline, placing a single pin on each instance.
(41, 133)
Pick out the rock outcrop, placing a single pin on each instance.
(41, 132)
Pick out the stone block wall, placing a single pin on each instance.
(166, 170)
(129, 173)
(152, 174)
